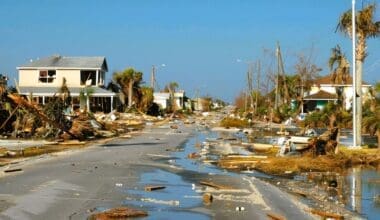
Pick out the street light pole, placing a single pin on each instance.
(249, 92)
(153, 78)
(354, 97)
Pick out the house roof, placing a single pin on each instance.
(326, 80)
(74, 91)
(321, 95)
(60, 62)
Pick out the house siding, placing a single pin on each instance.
(72, 78)
(28, 77)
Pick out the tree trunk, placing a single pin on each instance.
(332, 120)
(359, 70)
(360, 56)
(130, 93)
(286, 91)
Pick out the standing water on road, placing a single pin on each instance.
(182, 196)
(363, 192)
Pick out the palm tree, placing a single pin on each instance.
(371, 120)
(341, 71)
(340, 68)
(371, 123)
(366, 27)
(64, 92)
(147, 98)
(129, 81)
(171, 88)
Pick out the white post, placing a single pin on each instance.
(88, 102)
(111, 103)
(43, 100)
(97, 78)
(354, 98)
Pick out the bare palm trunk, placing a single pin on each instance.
(360, 56)
(359, 66)
(378, 138)
(130, 93)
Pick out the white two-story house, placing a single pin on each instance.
(85, 78)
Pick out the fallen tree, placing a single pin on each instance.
(35, 109)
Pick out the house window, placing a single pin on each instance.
(88, 77)
(47, 76)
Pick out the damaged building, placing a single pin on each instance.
(85, 78)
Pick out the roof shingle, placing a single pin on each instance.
(68, 62)
(321, 95)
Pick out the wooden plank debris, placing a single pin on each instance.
(214, 185)
(326, 214)
(153, 188)
(297, 192)
(119, 213)
(12, 170)
(275, 216)
(72, 142)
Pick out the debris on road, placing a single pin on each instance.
(326, 214)
(153, 188)
(12, 170)
(275, 216)
(207, 198)
(118, 213)
(214, 185)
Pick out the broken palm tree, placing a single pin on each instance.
(81, 127)
(34, 109)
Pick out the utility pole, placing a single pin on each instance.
(250, 83)
(258, 84)
(153, 78)
(277, 78)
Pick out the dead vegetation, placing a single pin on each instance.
(233, 122)
(284, 166)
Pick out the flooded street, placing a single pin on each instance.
(183, 193)
(180, 166)
(363, 191)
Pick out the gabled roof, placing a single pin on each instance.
(321, 95)
(326, 80)
(60, 62)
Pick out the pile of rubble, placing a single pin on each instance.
(81, 126)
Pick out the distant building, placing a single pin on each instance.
(163, 99)
(85, 76)
(323, 91)
(201, 104)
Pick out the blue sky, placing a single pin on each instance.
(198, 40)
